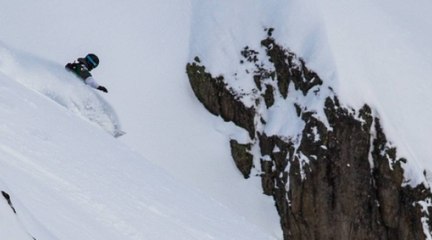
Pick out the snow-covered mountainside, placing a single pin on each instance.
(367, 52)
(60, 86)
(69, 175)
(330, 169)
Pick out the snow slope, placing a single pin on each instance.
(54, 82)
(144, 47)
(10, 225)
(375, 52)
(81, 183)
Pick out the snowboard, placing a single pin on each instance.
(119, 133)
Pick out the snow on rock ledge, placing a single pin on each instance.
(329, 168)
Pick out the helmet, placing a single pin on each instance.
(92, 60)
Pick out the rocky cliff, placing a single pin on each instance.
(329, 168)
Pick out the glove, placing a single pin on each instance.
(102, 88)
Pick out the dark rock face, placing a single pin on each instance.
(7, 197)
(242, 157)
(218, 99)
(341, 179)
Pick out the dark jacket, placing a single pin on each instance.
(80, 68)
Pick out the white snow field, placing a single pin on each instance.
(144, 47)
(79, 182)
(61, 86)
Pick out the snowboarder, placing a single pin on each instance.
(82, 67)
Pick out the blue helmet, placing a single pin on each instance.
(92, 60)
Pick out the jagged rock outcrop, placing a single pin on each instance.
(242, 157)
(218, 99)
(339, 178)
